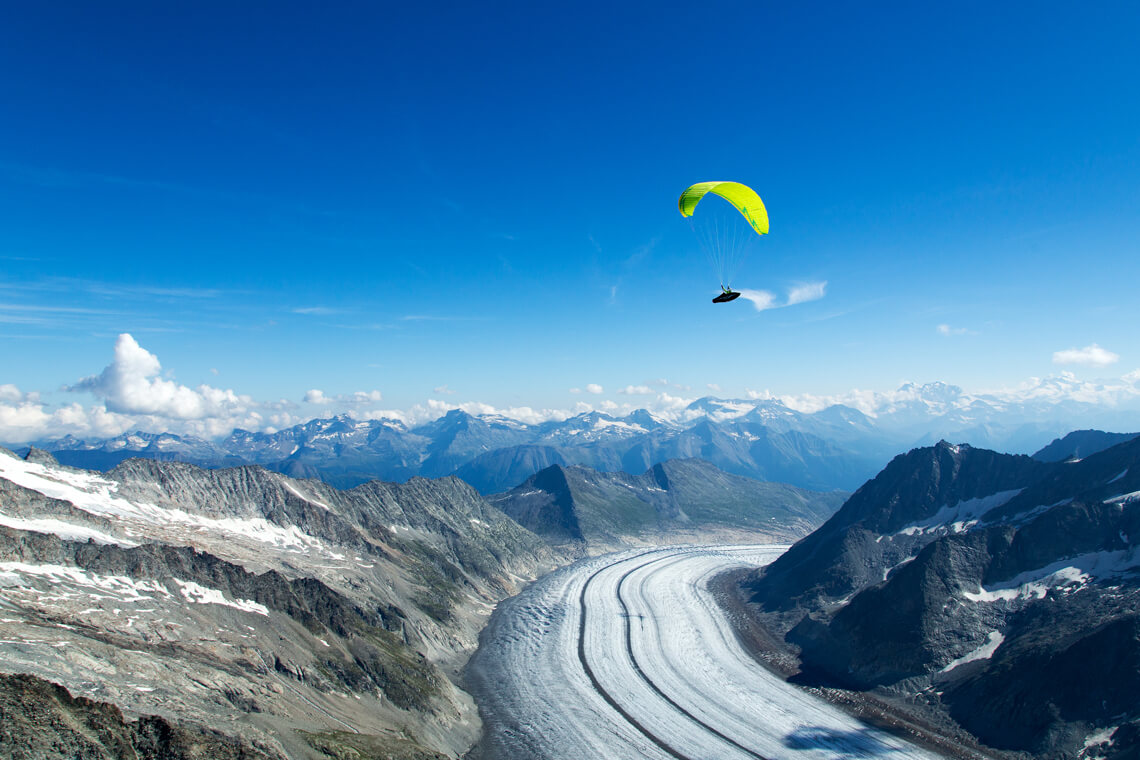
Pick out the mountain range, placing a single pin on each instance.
(997, 591)
(161, 609)
(834, 446)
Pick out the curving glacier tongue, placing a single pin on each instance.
(629, 656)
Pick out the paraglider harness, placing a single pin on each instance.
(727, 294)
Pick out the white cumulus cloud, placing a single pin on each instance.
(130, 385)
(316, 396)
(134, 395)
(1092, 355)
(360, 398)
(11, 394)
(595, 389)
(637, 390)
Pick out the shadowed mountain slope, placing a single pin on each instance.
(1001, 590)
(598, 509)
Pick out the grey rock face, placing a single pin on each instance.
(40, 720)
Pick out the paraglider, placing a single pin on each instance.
(727, 294)
(727, 230)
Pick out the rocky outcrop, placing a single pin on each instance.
(848, 552)
(40, 720)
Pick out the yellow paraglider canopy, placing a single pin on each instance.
(742, 197)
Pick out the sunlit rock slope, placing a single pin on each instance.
(246, 611)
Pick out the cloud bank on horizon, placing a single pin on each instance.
(1091, 355)
(132, 394)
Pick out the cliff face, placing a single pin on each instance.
(1002, 590)
(279, 613)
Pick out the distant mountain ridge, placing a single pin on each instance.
(1079, 444)
(1002, 591)
(834, 447)
(495, 453)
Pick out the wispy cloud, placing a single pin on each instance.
(48, 309)
(443, 390)
(46, 315)
(948, 330)
(761, 299)
(812, 291)
(1091, 355)
(765, 299)
(148, 291)
(355, 399)
(315, 310)
(366, 326)
(438, 318)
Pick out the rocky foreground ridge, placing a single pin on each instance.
(999, 592)
(242, 609)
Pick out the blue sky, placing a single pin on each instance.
(477, 202)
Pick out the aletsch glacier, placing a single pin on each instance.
(666, 675)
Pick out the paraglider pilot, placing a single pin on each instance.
(727, 294)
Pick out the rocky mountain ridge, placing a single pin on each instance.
(278, 612)
(1001, 591)
(589, 510)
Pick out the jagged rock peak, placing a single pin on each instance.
(39, 456)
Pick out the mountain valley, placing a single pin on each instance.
(190, 612)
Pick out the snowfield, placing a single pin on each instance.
(629, 656)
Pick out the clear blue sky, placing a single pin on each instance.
(277, 197)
